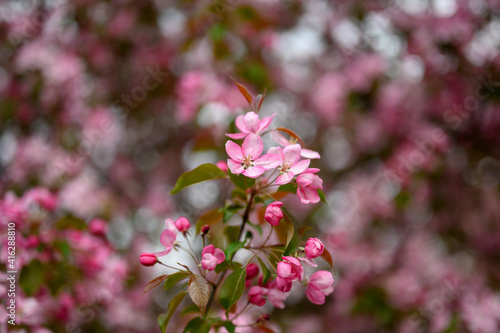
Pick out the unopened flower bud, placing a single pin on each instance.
(205, 229)
(314, 248)
(252, 271)
(182, 224)
(148, 259)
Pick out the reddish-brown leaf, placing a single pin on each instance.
(153, 283)
(292, 134)
(328, 258)
(244, 91)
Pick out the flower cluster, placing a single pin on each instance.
(255, 173)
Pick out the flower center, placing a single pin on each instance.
(285, 166)
(247, 161)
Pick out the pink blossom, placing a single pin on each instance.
(288, 270)
(211, 257)
(308, 184)
(320, 285)
(273, 213)
(250, 123)
(148, 259)
(282, 141)
(98, 227)
(252, 271)
(277, 298)
(291, 165)
(247, 160)
(167, 237)
(222, 165)
(314, 248)
(182, 224)
(256, 295)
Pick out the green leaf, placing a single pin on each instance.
(241, 181)
(232, 233)
(70, 221)
(192, 308)
(232, 248)
(229, 211)
(209, 218)
(292, 246)
(172, 279)
(233, 288)
(266, 273)
(197, 325)
(230, 327)
(225, 265)
(164, 318)
(290, 187)
(256, 227)
(202, 173)
(32, 277)
(322, 196)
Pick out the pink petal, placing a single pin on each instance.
(283, 269)
(208, 249)
(317, 183)
(235, 167)
(252, 122)
(292, 153)
(254, 172)
(322, 279)
(234, 151)
(284, 178)
(219, 255)
(266, 121)
(165, 252)
(268, 161)
(236, 136)
(276, 150)
(240, 123)
(294, 261)
(300, 167)
(308, 262)
(208, 261)
(315, 295)
(305, 179)
(307, 153)
(252, 146)
(312, 170)
(167, 238)
(308, 195)
(279, 138)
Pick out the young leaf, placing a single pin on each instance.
(229, 211)
(292, 134)
(202, 173)
(153, 283)
(290, 187)
(244, 92)
(241, 181)
(258, 101)
(266, 274)
(285, 230)
(232, 232)
(328, 258)
(230, 327)
(232, 248)
(209, 218)
(199, 291)
(266, 329)
(322, 196)
(233, 288)
(164, 318)
(32, 277)
(197, 325)
(172, 279)
(192, 308)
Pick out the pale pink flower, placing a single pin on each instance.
(308, 184)
(182, 224)
(167, 237)
(291, 165)
(288, 270)
(211, 257)
(277, 298)
(283, 141)
(273, 213)
(250, 123)
(256, 295)
(148, 259)
(314, 248)
(319, 286)
(247, 160)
